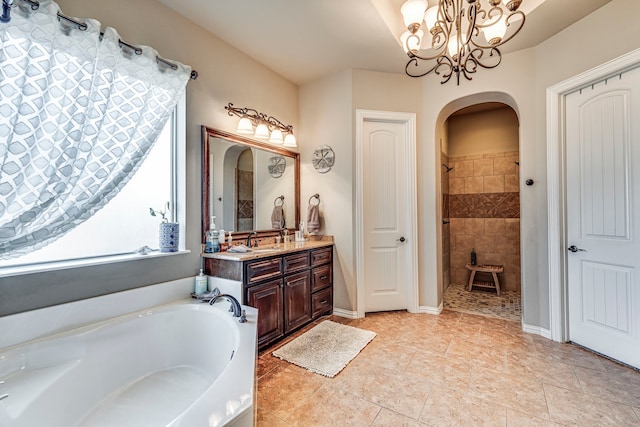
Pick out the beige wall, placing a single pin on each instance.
(325, 119)
(469, 134)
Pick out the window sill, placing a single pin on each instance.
(87, 262)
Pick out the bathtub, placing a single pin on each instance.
(179, 364)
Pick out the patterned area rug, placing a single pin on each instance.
(506, 306)
(326, 349)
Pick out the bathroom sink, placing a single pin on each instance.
(265, 250)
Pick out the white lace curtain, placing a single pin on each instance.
(78, 115)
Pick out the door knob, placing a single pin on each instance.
(574, 248)
(401, 239)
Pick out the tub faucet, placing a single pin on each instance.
(235, 306)
(252, 234)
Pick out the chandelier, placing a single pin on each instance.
(459, 35)
(267, 127)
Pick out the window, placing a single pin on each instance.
(124, 224)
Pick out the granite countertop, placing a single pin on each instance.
(266, 251)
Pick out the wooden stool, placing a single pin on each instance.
(493, 269)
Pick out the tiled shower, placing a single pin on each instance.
(481, 199)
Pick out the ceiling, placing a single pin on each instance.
(304, 40)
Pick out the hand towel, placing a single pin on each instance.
(313, 219)
(277, 217)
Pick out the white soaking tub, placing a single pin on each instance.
(181, 364)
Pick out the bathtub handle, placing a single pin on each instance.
(4, 396)
(243, 317)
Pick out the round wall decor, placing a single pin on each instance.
(276, 166)
(323, 159)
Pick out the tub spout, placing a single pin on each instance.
(235, 305)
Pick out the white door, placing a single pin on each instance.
(603, 217)
(386, 216)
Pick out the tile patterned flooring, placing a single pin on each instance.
(455, 369)
(488, 303)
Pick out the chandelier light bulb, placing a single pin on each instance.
(276, 137)
(244, 126)
(262, 131)
(495, 32)
(453, 47)
(413, 13)
(431, 17)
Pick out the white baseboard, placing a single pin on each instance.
(546, 333)
(430, 310)
(345, 313)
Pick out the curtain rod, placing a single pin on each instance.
(83, 26)
(6, 4)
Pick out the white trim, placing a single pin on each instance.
(556, 175)
(537, 330)
(409, 121)
(345, 313)
(425, 309)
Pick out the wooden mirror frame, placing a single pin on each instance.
(207, 133)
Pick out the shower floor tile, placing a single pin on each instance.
(506, 306)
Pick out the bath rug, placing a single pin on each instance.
(326, 349)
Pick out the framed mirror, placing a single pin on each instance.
(243, 180)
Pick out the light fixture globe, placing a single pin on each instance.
(244, 126)
(262, 131)
(276, 137)
(413, 13)
(290, 140)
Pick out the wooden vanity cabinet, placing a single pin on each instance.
(289, 290)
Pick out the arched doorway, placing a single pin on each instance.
(479, 160)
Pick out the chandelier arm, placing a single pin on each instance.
(478, 57)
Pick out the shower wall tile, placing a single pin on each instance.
(495, 226)
(494, 184)
(511, 183)
(483, 167)
(461, 169)
(474, 184)
(456, 185)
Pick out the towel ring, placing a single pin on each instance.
(315, 196)
(275, 202)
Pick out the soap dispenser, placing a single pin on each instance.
(201, 283)
(212, 244)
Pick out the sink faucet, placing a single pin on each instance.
(235, 306)
(254, 234)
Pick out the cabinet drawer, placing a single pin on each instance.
(321, 277)
(257, 271)
(296, 262)
(321, 256)
(322, 302)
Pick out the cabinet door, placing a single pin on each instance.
(267, 298)
(297, 300)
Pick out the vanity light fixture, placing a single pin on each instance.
(266, 127)
(461, 35)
